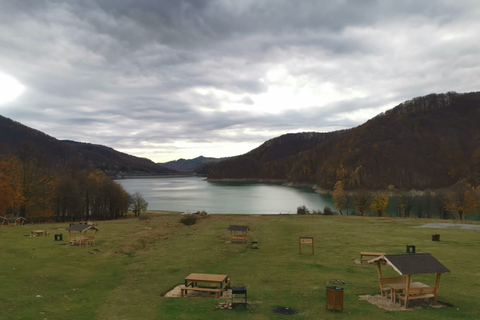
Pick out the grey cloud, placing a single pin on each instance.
(127, 72)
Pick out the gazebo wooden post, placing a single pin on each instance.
(379, 270)
(437, 287)
(407, 289)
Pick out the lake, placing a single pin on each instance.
(192, 194)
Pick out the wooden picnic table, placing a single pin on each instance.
(82, 241)
(36, 233)
(402, 286)
(191, 283)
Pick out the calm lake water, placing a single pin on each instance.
(191, 194)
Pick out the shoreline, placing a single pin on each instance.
(124, 177)
(283, 182)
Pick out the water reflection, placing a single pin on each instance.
(190, 194)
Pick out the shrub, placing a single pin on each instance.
(327, 211)
(302, 210)
(188, 219)
(201, 213)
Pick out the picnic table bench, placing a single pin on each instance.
(421, 292)
(82, 241)
(191, 283)
(238, 233)
(36, 233)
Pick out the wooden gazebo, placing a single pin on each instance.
(238, 233)
(82, 239)
(16, 221)
(144, 220)
(408, 265)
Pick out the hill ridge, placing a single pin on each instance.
(426, 142)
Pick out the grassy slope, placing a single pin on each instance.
(130, 269)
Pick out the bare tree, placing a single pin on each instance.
(138, 203)
(362, 201)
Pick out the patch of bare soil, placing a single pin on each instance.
(175, 292)
(387, 304)
(284, 311)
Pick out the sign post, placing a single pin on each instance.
(305, 240)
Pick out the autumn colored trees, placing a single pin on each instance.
(339, 197)
(461, 200)
(11, 195)
(30, 188)
(379, 204)
(457, 201)
(362, 200)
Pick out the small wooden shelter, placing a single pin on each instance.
(16, 221)
(408, 265)
(82, 239)
(238, 233)
(2, 219)
(144, 220)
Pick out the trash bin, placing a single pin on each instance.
(59, 237)
(435, 237)
(410, 249)
(334, 298)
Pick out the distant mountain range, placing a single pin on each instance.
(14, 136)
(427, 142)
(191, 165)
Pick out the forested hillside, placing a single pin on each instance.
(426, 142)
(17, 138)
(44, 179)
(272, 160)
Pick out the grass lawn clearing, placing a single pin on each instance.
(126, 274)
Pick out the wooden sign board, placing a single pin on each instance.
(305, 240)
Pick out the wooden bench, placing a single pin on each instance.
(238, 238)
(369, 254)
(419, 293)
(218, 291)
(383, 281)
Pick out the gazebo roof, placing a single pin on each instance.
(16, 218)
(81, 227)
(413, 263)
(238, 228)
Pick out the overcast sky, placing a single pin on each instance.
(182, 78)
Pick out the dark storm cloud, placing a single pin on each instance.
(219, 77)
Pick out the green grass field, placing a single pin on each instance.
(126, 274)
